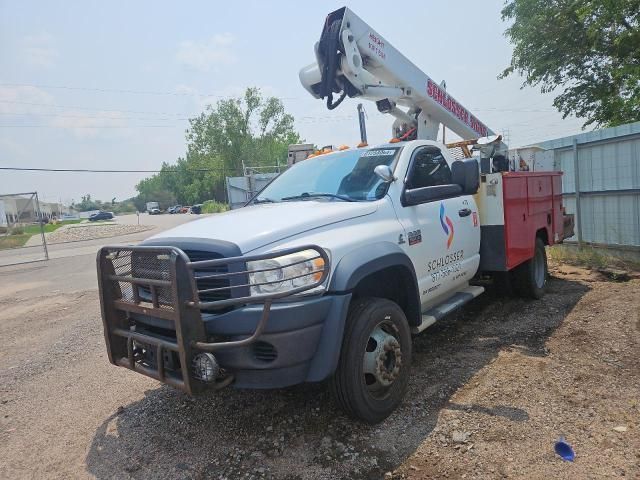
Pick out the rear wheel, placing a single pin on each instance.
(531, 276)
(373, 372)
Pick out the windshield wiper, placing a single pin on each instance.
(263, 200)
(311, 195)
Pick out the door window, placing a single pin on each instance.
(428, 169)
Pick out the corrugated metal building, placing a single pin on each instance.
(601, 185)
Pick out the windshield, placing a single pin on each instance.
(346, 175)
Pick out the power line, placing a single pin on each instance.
(514, 110)
(119, 90)
(87, 170)
(161, 115)
(71, 127)
(101, 117)
(53, 105)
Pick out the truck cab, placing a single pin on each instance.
(274, 289)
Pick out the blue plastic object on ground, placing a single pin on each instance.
(565, 451)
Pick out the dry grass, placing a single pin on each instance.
(590, 257)
(13, 241)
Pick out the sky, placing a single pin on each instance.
(111, 85)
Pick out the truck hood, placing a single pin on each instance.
(259, 225)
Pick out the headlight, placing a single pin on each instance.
(279, 274)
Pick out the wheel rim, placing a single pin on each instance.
(382, 359)
(539, 270)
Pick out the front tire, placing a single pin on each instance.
(373, 371)
(531, 276)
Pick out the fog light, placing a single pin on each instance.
(205, 367)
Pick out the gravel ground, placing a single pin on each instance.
(78, 232)
(491, 389)
(582, 384)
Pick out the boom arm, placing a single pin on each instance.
(353, 59)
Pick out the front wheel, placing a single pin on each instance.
(531, 276)
(373, 371)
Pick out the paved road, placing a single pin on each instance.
(90, 247)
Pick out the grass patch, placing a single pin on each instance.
(589, 257)
(49, 227)
(19, 235)
(13, 241)
(211, 206)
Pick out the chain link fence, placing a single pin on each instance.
(22, 229)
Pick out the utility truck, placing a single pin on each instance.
(152, 208)
(328, 272)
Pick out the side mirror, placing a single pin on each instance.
(466, 174)
(385, 173)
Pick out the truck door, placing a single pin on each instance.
(443, 235)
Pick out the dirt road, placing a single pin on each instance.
(508, 377)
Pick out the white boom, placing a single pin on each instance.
(353, 59)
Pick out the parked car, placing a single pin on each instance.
(101, 216)
(184, 209)
(155, 211)
(196, 209)
(174, 209)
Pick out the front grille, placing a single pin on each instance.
(151, 271)
(207, 283)
(144, 265)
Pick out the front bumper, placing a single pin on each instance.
(301, 341)
(264, 341)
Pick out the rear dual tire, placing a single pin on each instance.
(530, 278)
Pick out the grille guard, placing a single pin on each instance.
(171, 278)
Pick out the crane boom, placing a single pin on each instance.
(354, 60)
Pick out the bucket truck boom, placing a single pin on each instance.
(354, 60)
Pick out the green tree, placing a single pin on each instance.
(87, 204)
(252, 131)
(588, 49)
(154, 189)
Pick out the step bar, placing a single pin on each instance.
(450, 305)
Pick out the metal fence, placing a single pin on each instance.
(22, 236)
(241, 189)
(601, 185)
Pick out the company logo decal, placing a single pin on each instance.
(447, 226)
(415, 237)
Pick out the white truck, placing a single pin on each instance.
(328, 272)
(153, 208)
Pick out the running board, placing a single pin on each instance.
(454, 302)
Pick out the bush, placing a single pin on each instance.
(211, 206)
(17, 231)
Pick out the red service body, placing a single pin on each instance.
(515, 209)
(532, 202)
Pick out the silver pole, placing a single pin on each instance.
(44, 239)
(576, 181)
(363, 127)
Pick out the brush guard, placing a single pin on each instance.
(162, 283)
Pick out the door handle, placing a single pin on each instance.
(465, 212)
